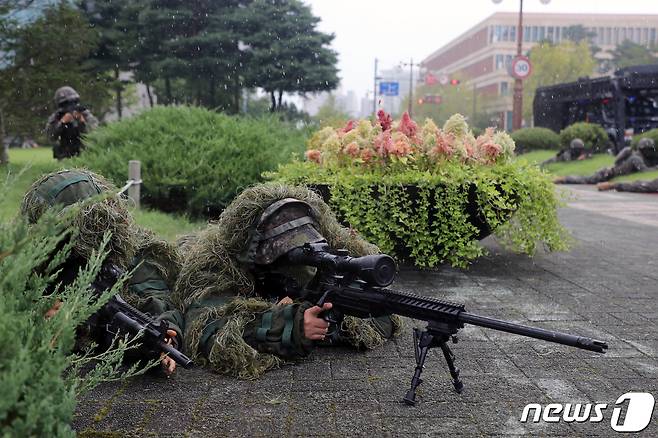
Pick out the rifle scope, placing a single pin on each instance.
(377, 270)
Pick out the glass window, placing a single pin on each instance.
(497, 31)
(534, 33)
(608, 35)
(645, 35)
(491, 34)
(512, 33)
(526, 34)
(500, 62)
(599, 36)
(622, 34)
(652, 36)
(542, 33)
(558, 37)
(504, 88)
(549, 33)
(508, 61)
(505, 33)
(615, 38)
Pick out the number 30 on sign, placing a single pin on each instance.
(521, 67)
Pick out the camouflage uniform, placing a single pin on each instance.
(626, 162)
(231, 323)
(68, 135)
(575, 150)
(155, 261)
(650, 153)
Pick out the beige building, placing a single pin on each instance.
(484, 53)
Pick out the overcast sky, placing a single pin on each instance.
(395, 30)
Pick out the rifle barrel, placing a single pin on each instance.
(534, 332)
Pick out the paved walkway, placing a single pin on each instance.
(605, 287)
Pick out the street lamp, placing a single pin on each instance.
(411, 82)
(517, 106)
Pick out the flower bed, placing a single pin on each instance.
(427, 195)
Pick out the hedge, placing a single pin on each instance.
(534, 139)
(653, 134)
(594, 136)
(193, 160)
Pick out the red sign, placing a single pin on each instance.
(430, 79)
(521, 67)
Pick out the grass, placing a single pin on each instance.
(26, 165)
(643, 176)
(536, 157)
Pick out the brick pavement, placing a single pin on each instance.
(605, 287)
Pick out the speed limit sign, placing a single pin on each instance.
(521, 67)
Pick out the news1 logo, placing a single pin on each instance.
(638, 412)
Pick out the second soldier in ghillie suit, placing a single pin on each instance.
(627, 161)
(575, 151)
(230, 324)
(66, 126)
(155, 262)
(650, 150)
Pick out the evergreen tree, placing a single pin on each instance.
(289, 55)
(629, 53)
(46, 55)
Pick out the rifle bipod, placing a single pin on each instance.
(434, 336)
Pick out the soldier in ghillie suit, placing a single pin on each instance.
(575, 151)
(230, 324)
(67, 125)
(156, 263)
(627, 161)
(649, 150)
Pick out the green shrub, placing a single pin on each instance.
(193, 159)
(594, 136)
(39, 374)
(534, 139)
(653, 134)
(427, 195)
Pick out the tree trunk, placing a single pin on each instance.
(4, 152)
(118, 90)
(167, 91)
(148, 93)
(280, 96)
(273, 107)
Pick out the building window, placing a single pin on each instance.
(512, 33)
(549, 34)
(652, 36)
(608, 35)
(600, 36)
(505, 33)
(533, 38)
(504, 89)
(500, 62)
(526, 34)
(615, 38)
(558, 37)
(542, 33)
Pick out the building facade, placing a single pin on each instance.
(484, 53)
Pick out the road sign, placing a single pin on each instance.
(389, 88)
(444, 79)
(521, 67)
(430, 79)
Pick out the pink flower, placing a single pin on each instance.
(314, 155)
(444, 145)
(367, 155)
(408, 127)
(487, 149)
(348, 127)
(385, 120)
(352, 150)
(400, 145)
(383, 143)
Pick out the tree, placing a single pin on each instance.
(554, 64)
(46, 55)
(115, 25)
(629, 53)
(288, 53)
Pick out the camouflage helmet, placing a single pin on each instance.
(284, 225)
(577, 145)
(65, 94)
(647, 147)
(61, 188)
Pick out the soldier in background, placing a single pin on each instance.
(575, 151)
(68, 123)
(648, 146)
(627, 162)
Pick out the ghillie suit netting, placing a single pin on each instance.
(101, 211)
(211, 270)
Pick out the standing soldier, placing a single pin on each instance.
(68, 123)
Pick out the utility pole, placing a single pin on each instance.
(517, 105)
(411, 83)
(374, 95)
